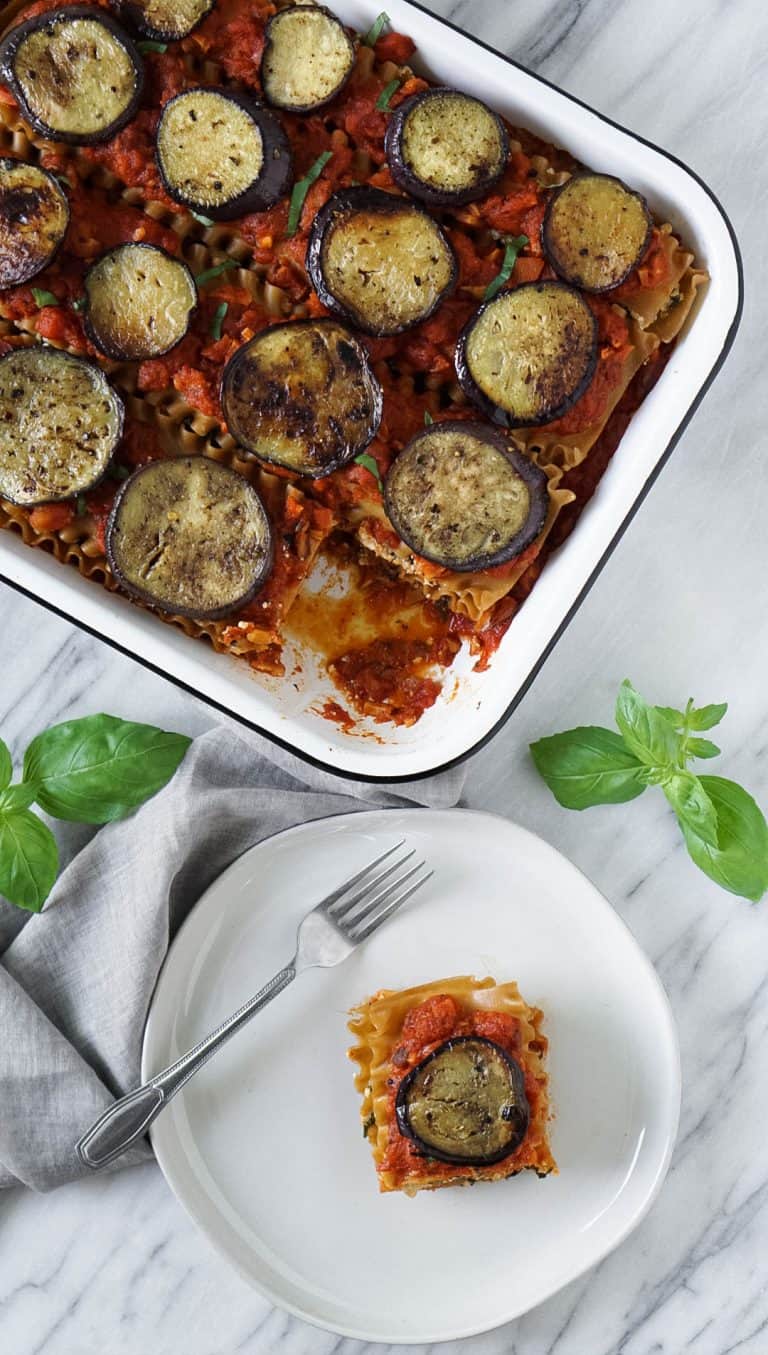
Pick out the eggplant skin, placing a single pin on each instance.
(35, 53)
(464, 1103)
(139, 302)
(445, 147)
(60, 423)
(595, 231)
(221, 153)
(302, 395)
(307, 60)
(189, 536)
(527, 355)
(165, 20)
(406, 264)
(459, 495)
(34, 218)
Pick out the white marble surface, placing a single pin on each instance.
(115, 1265)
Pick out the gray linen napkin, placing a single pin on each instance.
(76, 980)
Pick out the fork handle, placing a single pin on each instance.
(128, 1120)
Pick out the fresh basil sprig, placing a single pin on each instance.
(724, 829)
(376, 30)
(92, 770)
(382, 103)
(300, 190)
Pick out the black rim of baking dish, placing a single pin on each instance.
(381, 777)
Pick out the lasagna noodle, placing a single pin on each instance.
(376, 1026)
(471, 595)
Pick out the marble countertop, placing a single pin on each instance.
(114, 1265)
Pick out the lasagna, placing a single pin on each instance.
(413, 330)
(453, 1084)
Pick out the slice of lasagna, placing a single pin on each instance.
(453, 1083)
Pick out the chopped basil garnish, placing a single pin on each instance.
(81, 507)
(218, 319)
(428, 418)
(204, 220)
(370, 464)
(376, 29)
(301, 189)
(382, 103)
(216, 272)
(79, 303)
(149, 45)
(511, 251)
(43, 298)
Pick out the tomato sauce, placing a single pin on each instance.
(425, 1028)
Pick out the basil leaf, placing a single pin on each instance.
(301, 189)
(6, 765)
(43, 298)
(376, 29)
(204, 220)
(81, 506)
(739, 862)
(79, 303)
(215, 272)
(427, 418)
(646, 733)
(511, 251)
(20, 796)
(588, 766)
(99, 768)
(149, 45)
(706, 717)
(675, 717)
(29, 859)
(702, 748)
(692, 805)
(382, 103)
(218, 319)
(364, 459)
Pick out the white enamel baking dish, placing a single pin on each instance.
(473, 705)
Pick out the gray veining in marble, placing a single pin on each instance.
(114, 1265)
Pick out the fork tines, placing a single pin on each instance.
(375, 901)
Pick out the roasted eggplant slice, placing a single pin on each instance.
(302, 395)
(166, 20)
(458, 494)
(189, 536)
(379, 261)
(595, 231)
(308, 58)
(138, 302)
(221, 154)
(77, 75)
(445, 147)
(528, 354)
(464, 1103)
(60, 422)
(34, 216)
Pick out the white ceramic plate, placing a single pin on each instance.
(473, 704)
(264, 1148)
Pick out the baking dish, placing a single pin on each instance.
(472, 705)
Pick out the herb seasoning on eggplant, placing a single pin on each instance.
(302, 395)
(379, 260)
(308, 58)
(139, 302)
(464, 1103)
(460, 495)
(189, 536)
(445, 147)
(60, 422)
(77, 75)
(166, 20)
(528, 354)
(34, 216)
(221, 153)
(595, 231)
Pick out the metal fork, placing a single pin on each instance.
(326, 936)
